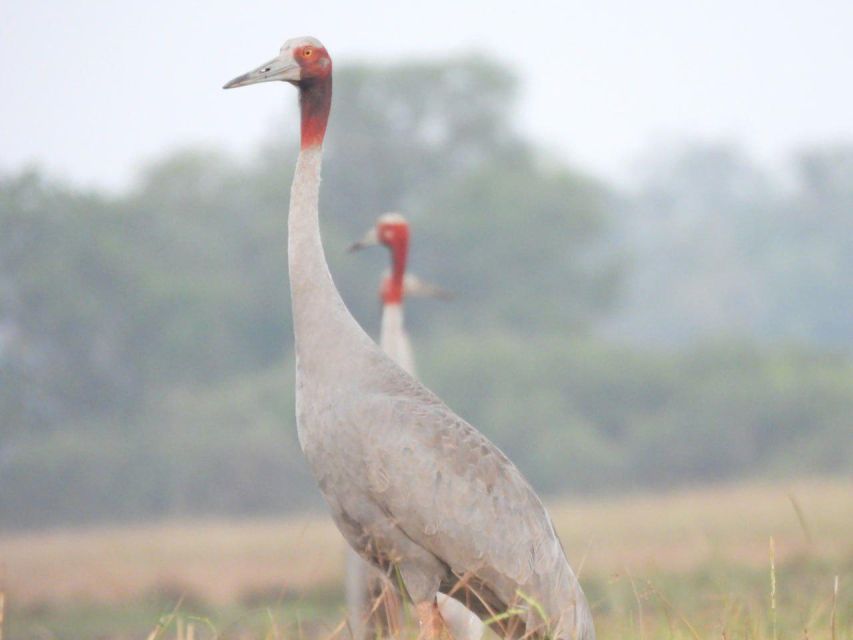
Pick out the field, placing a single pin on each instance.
(688, 564)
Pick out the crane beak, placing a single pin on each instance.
(370, 239)
(283, 68)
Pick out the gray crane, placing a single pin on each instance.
(413, 488)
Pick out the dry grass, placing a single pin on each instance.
(729, 524)
(653, 565)
(216, 561)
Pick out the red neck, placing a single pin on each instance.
(392, 289)
(315, 102)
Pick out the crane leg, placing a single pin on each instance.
(432, 625)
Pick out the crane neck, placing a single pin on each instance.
(394, 339)
(325, 332)
(315, 103)
(393, 288)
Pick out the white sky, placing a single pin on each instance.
(92, 89)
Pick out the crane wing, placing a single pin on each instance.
(457, 495)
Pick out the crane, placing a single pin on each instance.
(413, 488)
(365, 586)
(393, 231)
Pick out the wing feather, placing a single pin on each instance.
(457, 495)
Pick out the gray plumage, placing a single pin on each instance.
(413, 484)
(408, 482)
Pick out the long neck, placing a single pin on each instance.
(323, 327)
(393, 337)
(392, 289)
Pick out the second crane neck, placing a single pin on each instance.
(393, 286)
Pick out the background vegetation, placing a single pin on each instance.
(693, 327)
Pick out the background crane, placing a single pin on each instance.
(370, 595)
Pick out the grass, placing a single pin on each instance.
(688, 564)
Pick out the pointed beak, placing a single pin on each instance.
(283, 68)
(370, 239)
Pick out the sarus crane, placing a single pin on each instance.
(371, 602)
(413, 488)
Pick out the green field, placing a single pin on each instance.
(688, 564)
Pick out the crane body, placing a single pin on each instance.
(412, 487)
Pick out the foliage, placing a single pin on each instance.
(717, 246)
(144, 335)
(576, 416)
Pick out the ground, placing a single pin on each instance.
(695, 563)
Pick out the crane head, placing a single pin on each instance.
(300, 61)
(391, 230)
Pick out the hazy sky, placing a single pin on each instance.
(92, 89)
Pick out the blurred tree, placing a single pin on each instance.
(719, 248)
(399, 133)
(524, 246)
(145, 338)
(68, 298)
(692, 230)
(809, 258)
(183, 280)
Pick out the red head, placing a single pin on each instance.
(391, 230)
(315, 89)
(303, 62)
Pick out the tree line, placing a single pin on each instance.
(693, 327)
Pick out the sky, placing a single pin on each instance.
(91, 91)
